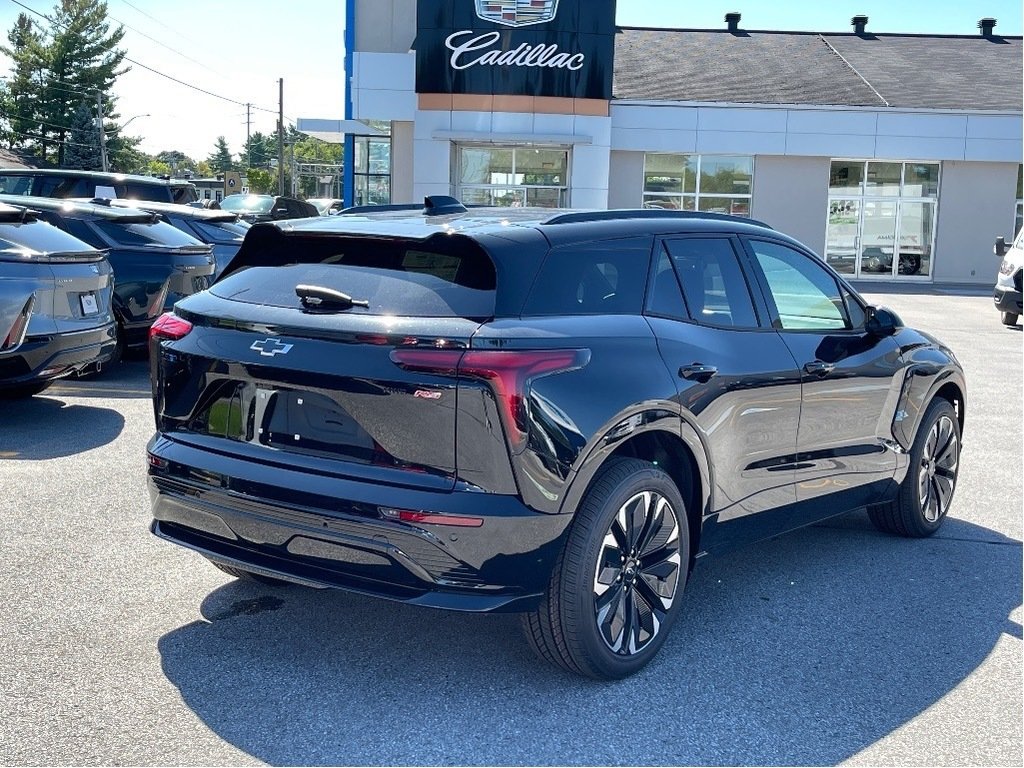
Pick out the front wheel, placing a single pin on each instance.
(1010, 318)
(926, 493)
(617, 585)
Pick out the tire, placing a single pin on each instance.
(609, 622)
(23, 390)
(1009, 318)
(926, 493)
(244, 575)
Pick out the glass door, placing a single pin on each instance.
(842, 241)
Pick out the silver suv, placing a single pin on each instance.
(55, 304)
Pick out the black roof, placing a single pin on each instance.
(76, 209)
(97, 175)
(766, 67)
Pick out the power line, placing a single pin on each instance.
(180, 34)
(156, 71)
(163, 45)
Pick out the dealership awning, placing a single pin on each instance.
(334, 131)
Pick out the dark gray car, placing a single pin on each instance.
(222, 230)
(55, 304)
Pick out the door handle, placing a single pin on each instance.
(818, 368)
(698, 372)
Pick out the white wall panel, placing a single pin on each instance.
(432, 162)
(428, 122)
(741, 142)
(512, 122)
(918, 148)
(384, 71)
(994, 127)
(994, 150)
(741, 119)
(830, 145)
(597, 128)
(552, 124)
(922, 125)
(841, 122)
(678, 118)
(590, 167)
(371, 104)
(475, 122)
(653, 140)
(589, 198)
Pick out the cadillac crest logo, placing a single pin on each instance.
(517, 13)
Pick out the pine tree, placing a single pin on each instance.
(28, 68)
(82, 150)
(220, 160)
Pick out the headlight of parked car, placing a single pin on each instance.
(1006, 268)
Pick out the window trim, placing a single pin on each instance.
(773, 310)
(564, 190)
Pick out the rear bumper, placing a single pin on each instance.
(53, 357)
(1008, 300)
(327, 531)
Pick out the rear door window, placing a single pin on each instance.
(712, 280)
(598, 278)
(15, 184)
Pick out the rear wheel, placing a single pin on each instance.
(23, 390)
(927, 490)
(616, 587)
(1009, 318)
(240, 573)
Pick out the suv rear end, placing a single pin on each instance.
(305, 435)
(55, 304)
(154, 263)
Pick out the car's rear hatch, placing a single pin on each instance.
(266, 373)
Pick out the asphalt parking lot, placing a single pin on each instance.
(834, 644)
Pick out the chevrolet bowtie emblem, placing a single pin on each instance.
(271, 347)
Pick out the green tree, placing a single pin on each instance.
(178, 162)
(28, 67)
(261, 181)
(83, 58)
(259, 149)
(220, 159)
(82, 150)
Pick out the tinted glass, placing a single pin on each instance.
(450, 278)
(670, 173)
(40, 237)
(854, 310)
(845, 177)
(665, 296)
(724, 174)
(883, 179)
(15, 185)
(155, 192)
(605, 278)
(184, 193)
(158, 234)
(921, 180)
(713, 283)
(806, 296)
(221, 231)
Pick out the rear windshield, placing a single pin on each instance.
(247, 203)
(222, 231)
(158, 234)
(15, 184)
(184, 193)
(39, 237)
(453, 278)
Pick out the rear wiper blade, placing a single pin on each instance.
(316, 297)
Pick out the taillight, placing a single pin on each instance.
(16, 335)
(169, 326)
(430, 518)
(508, 372)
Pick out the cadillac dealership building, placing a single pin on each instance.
(896, 157)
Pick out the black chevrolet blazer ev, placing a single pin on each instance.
(553, 413)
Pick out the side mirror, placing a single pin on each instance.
(882, 321)
(1000, 247)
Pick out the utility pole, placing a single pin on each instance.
(280, 137)
(103, 135)
(248, 135)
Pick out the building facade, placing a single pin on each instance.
(895, 157)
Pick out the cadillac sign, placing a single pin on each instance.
(561, 48)
(517, 13)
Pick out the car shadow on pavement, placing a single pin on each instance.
(802, 650)
(128, 380)
(47, 427)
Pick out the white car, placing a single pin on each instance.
(1007, 295)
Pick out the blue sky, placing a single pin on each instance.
(238, 48)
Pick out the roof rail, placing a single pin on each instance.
(646, 213)
(433, 205)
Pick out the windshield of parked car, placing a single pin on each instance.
(247, 203)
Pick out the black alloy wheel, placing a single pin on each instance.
(616, 587)
(927, 490)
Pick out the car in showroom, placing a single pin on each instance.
(1009, 282)
(555, 413)
(69, 183)
(55, 304)
(154, 264)
(221, 230)
(254, 208)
